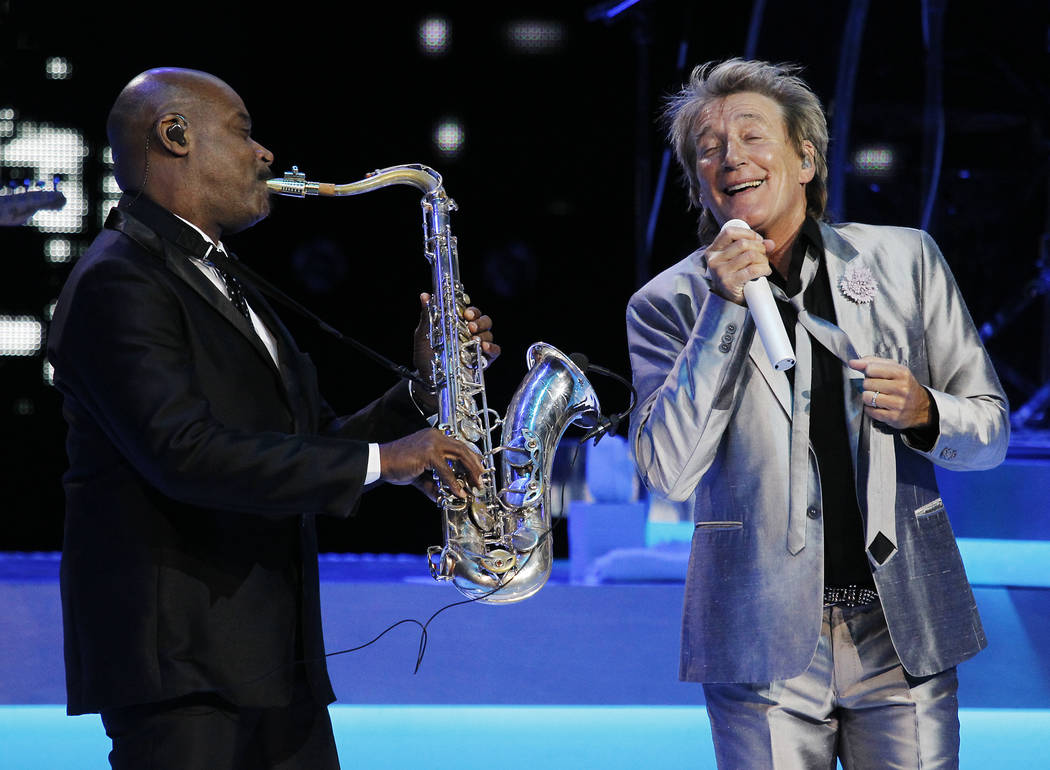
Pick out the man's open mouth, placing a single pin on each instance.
(734, 189)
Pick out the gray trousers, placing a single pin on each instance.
(855, 703)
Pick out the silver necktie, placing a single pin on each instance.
(876, 471)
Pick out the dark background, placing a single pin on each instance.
(555, 182)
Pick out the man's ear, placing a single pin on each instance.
(171, 132)
(809, 163)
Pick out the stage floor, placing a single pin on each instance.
(548, 737)
(578, 676)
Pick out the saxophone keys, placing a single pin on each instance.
(522, 492)
(524, 539)
(499, 561)
(484, 520)
(522, 451)
(469, 429)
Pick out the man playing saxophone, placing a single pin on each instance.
(200, 453)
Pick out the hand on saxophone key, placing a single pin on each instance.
(406, 459)
(478, 324)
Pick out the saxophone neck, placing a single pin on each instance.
(294, 183)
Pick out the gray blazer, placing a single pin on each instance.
(714, 418)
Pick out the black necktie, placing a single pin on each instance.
(233, 286)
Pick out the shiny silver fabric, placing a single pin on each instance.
(854, 703)
(497, 542)
(714, 421)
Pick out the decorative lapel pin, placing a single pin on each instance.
(858, 284)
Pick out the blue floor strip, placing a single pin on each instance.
(551, 737)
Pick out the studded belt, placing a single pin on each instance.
(850, 596)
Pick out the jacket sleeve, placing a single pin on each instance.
(121, 349)
(688, 347)
(391, 416)
(973, 414)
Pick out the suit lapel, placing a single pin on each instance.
(296, 369)
(777, 381)
(182, 265)
(162, 234)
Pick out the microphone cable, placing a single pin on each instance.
(605, 424)
(252, 278)
(423, 627)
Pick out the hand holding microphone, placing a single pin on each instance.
(763, 308)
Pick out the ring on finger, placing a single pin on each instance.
(874, 398)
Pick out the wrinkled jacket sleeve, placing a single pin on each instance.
(687, 349)
(974, 428)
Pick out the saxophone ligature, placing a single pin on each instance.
(498, 547)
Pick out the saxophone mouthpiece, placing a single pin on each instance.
(294, 185)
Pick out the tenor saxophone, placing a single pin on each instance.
(497, 545)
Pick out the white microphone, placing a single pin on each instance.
(763, 309)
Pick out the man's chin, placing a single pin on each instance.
(254, 219)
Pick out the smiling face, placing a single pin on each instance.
(748, 168)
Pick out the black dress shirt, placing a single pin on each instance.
(845, 562)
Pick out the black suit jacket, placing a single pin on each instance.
(196, 469)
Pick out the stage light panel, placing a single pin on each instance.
(104, 207)
(873, 161)
(435, 36)
(449, 137)
(58, 251)
(535, 36)
(109, 188)
(58, 68)
(44, 151)
(20, 335)
(7, 122)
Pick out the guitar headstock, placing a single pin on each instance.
(19, 202)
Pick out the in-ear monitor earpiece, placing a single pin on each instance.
(176, 132)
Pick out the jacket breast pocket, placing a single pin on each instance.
(932, 520)
(931, 508)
